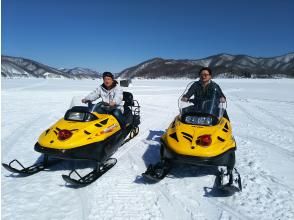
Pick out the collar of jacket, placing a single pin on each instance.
(201, 83)
(111, 87)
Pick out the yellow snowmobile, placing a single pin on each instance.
(91, 133)
(199, 135)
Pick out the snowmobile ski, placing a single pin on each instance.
(233, 185)
(157, 172)
(27, 171)
(91, 176)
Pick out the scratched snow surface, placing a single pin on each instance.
(262, 116)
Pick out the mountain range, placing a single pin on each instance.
(222, 65)
(17, 67)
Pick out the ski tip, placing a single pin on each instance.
(6, 166)
(230, 189)
(67, 179)
(72, 182)
(9, 168)
(150, 178)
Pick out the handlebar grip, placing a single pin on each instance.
(89, 103)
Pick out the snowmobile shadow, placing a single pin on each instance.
(214, 192)
(152, 154)
(141, 180)
(70, 186)
(180, 170)
(217, 191)
(68, 165)
(154, 135)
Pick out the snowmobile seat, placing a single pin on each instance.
(128, 99)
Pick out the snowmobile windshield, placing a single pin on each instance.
(78, 113)
(99, 107)
(201, 111)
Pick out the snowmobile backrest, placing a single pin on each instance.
(128, 99)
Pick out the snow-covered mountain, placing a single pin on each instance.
(223, 65)
(17, 67)
(80, 72)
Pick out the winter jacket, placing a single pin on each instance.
(114, 94)
(206, 92)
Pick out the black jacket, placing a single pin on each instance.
(207, 92)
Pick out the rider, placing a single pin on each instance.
(205, 88)
(111, 93)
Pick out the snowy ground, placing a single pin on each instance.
(262, 115)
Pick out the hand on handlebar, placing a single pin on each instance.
(85, 100)
(111, 103)
(184, 99)
(104, 104)
(222, 100)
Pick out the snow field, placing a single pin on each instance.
(262, 116)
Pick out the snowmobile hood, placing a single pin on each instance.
(65, 134)
(186, 139)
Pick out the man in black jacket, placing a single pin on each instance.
(205, 89)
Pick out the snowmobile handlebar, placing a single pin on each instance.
(104, 106)
(90, 104)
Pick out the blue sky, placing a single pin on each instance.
(115, 34)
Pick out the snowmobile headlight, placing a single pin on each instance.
(76, 116)
(198, 120)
